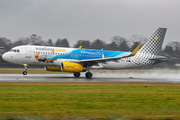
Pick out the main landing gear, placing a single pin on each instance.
(25, 72)
(77, 74)
(88, 74)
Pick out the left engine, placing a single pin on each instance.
(72, 67)
(52, 68)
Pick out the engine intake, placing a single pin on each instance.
(72, 67)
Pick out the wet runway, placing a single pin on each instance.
(153, 77)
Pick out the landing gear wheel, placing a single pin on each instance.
(88, 75)
(77, 74)
(24, 72)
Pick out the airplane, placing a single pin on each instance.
(77, 60)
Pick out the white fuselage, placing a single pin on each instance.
(53, 56)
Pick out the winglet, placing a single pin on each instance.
(135, 51)
(80, 47)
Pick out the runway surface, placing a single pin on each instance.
(148, 77)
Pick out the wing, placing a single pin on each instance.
(90, 62)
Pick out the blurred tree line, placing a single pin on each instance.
(118, 43)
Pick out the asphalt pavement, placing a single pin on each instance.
(153, 77)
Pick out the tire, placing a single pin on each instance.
(24, 72)
(88, 75)
(77, 74)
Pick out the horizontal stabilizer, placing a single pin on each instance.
(159, 58)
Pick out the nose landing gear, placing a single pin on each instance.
(25, 72)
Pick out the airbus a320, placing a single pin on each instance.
(77, 60)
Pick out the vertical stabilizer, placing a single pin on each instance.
(154, 44)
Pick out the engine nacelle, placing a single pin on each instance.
(72, 67)
(52, 68)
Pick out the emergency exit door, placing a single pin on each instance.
(28, 52)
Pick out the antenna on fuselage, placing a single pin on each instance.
(102, 53)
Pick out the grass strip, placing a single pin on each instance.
(91, 100)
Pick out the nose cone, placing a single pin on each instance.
(4, 56)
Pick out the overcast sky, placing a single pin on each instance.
(88, 19)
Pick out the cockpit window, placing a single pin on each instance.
(14, 50)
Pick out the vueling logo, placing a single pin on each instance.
(50, 49)
(59, 50)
